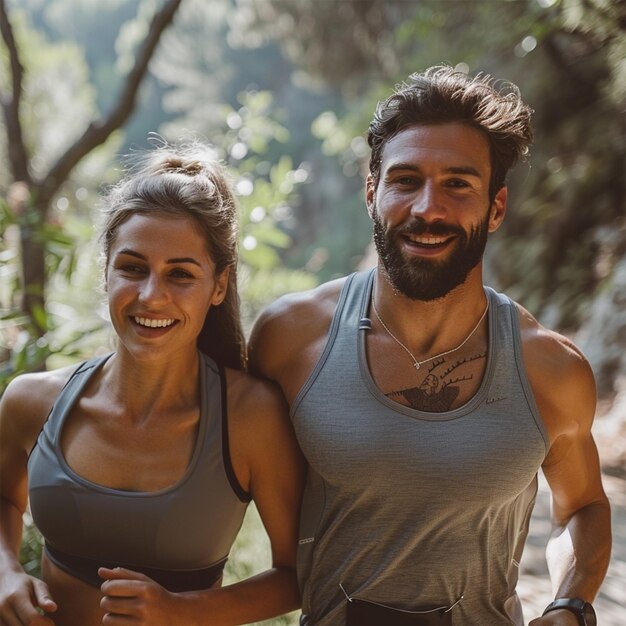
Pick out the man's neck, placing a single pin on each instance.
(428, 327)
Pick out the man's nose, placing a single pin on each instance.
(427, 203)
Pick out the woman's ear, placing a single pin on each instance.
(221, 287)
(497, 211)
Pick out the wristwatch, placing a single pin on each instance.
(583, 610)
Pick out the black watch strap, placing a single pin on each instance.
(583, 610)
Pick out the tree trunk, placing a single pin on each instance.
(33, 271)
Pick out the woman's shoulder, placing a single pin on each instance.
(28, 398)
(248, 394)
(257, 410)
(37, 389)
(260, 432)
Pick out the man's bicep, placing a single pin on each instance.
(572, 470)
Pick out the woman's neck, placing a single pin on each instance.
(153, 386)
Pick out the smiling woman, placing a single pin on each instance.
(154, 292)
(139, 465)
(191, 184)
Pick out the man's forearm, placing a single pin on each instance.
(265, 595)
(578, 553)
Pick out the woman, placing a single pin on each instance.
(139, 465)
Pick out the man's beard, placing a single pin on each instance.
(423, 278)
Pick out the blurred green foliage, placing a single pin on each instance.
(284, 90)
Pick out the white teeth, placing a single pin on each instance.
(428, 240)
(143, 321)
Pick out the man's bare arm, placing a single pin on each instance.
(579, 549)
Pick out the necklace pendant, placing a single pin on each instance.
(417, 365)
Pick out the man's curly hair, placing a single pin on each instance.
(442, 95)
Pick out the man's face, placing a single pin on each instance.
(422, 278)
(431, 208)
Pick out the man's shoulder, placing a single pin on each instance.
(292, 325)
(548, 348)
(307, 312)
(292, 307)
(560, 375)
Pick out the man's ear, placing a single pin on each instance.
(370, 195)
(221, 287)
(497, 211)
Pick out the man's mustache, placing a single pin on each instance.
(437, 229)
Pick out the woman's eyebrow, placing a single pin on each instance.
(186, 259)
(175, 260)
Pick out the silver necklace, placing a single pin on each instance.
(417, 364)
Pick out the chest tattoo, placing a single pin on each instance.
(440, 385)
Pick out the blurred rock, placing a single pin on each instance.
(603, 336)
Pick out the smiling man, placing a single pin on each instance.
(425, 402)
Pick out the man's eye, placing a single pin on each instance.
(457, 183)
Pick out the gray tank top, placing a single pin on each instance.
(415, 509)
(180, 535)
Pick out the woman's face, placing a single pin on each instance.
(161, 282)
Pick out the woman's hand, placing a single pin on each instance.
(22, 599)
(134, 598)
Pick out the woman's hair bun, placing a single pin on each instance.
(180, 165)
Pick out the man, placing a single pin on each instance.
(425, 402)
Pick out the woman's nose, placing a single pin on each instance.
(153, 290)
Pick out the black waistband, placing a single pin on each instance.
(173, 580)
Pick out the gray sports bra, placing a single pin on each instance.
(180, 536)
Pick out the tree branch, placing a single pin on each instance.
(18, 157)
(99, 131)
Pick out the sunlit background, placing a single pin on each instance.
(284, 90)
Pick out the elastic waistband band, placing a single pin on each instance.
(176, 581)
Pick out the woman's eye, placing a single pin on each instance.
(129, 268)
(180, 273)
(406, 180)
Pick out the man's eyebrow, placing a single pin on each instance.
(138, 255)
(465, 170)
(402, 166)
